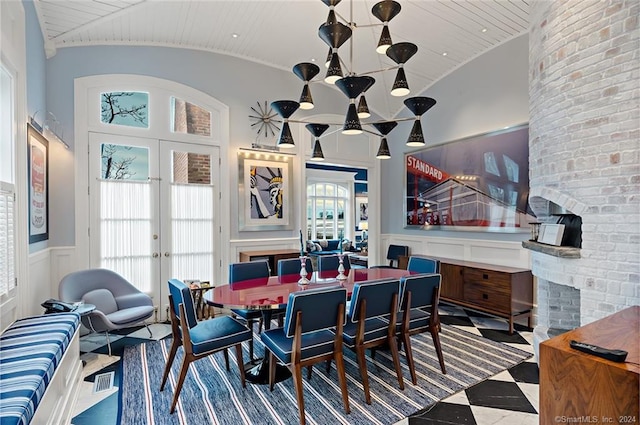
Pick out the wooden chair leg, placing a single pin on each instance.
(240, 362)
(225, 352)
(186, 361)
(167, 367)
(309, 370)
(396, 361)
(436, 342)
(251, 349)
(328, 366)
(409, 355)
(362, 365)
(343, 381)
(272, 370)
(297, 383)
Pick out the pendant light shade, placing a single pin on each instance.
(306, 71)
(285, 108)
(352, 122)
(400, 85)
(317, 155)
(317, 130)
(416, 138)
(384, 128)
(383, 150)
(334, 35)
(401, 52)
(327, 61)
(334, 71)
(418, 105)
(385, 40)
(354, 86)
(385, 11)
(363, 108)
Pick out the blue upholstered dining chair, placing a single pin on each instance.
(310, 335)
(394, 252)
(420, 295)
(371, 322)
(423, 265)
(292, 266)
(239, 272)
(199, 339)
(331, 262)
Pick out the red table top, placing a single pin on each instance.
(273, 292)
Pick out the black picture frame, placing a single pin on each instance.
(38, 178)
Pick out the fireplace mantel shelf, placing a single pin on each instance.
(556, 251)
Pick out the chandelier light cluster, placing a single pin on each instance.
(335, 33)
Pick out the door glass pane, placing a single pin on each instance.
(126, 229)
(120, 162)
(191, 168)
(125, 108)
(189, 118)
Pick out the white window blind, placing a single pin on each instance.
(126, 217)
(7, 239)
(192, 231)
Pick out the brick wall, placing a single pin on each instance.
(584, 143)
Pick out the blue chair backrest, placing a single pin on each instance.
(395, 251)
(292, 266)
(421, 287)
(181, 294)
(423, 265)
(331, 262)
(319, 309)
(378, 294)
(248, 270)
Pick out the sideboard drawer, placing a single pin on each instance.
(499, 281)
(486, 296)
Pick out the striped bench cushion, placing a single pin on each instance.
(30, 351)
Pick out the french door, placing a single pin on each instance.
(153, 211)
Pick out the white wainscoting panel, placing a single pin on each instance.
(39, 287)
(63, 262)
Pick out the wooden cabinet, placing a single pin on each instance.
(271, 255)
(576, 385)
(497, 290)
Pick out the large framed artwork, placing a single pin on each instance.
(38, 171)
(265, 195)
(480, 183)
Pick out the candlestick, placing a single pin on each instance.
(341, 275)
(301, 245)
(303, 271)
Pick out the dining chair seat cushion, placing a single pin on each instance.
(217, 333)
(417, 319)
(374, 329)
(247, 314)
(313, 344)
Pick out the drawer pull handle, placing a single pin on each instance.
(485, 276)
(485, 296)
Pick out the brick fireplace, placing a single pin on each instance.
(584, 155)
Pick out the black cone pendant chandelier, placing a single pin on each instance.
(335, 34)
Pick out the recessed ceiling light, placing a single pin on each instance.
(444, 53)
(484, 30)
(234, 35)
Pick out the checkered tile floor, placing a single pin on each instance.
(511, 397)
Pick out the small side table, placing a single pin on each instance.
(359, 260)
(84, 309)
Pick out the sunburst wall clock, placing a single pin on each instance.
(264, 120)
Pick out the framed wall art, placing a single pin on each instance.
(38, 171)
(265, 193)
(480, 183)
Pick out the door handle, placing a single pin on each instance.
(166, 254)
(155, 255)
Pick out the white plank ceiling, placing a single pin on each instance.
(282, 33)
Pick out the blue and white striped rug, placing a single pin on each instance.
(211, 395)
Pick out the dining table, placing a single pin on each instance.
(271, 293)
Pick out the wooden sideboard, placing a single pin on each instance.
(497, 290)
(271, 255)
(576, 385)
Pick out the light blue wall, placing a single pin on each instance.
(486, 94)
(235, 82)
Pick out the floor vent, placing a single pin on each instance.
(103, 382)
